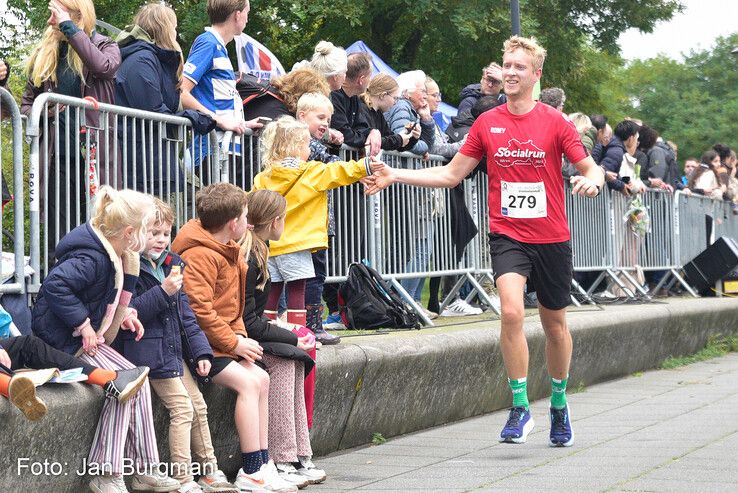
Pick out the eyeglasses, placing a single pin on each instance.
(436, 95)
(492, 81)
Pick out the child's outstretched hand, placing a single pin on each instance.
(172, 283)
(383, 177)
(203, 367)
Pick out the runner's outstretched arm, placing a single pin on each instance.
(446, 176)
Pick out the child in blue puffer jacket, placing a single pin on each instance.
(175, 348)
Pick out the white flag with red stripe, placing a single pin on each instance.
(254, 58)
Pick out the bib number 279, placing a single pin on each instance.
(523, 200)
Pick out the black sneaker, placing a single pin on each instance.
(127, 383)
(325, 338)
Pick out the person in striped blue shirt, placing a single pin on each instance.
(208, 79)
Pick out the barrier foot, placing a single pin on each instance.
(409, 299)
(597, 282)
(578, 287)
(630, 294)
(452, 294)
(684, 283)
(491, 301)
(636, 284)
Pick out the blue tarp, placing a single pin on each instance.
(445, 111)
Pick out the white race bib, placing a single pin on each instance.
(523, 200)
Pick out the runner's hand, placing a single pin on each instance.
(583, 186)
(383, 178)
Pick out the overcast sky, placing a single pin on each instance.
(694, 29)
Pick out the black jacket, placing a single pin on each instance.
(273, 339)
(390, 141)
(612, 159)
(349, 119)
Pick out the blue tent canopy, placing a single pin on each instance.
(445, 111)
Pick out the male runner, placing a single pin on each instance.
(529, 234)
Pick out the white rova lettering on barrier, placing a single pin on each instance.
(523, 200)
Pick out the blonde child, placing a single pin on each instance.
(285, 356)
(286, 150)
(82, 304)
(215, 283)
(172, 339)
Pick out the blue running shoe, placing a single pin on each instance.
(561, 434)
(334, 322)
(518, 425)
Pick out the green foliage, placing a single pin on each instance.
(717, 346)
(692, 103)
(449, 39)
(378, 439)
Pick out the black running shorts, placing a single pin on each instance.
(547, 265)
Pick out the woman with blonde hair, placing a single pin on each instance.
(149, 79)
(82, 304)
(331, 61)
(72, 59)
(287, 91)
(381, 94)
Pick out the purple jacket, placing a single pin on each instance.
(101, 58)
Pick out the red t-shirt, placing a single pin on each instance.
(526, 191)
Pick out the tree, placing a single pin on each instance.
(692, 103)
(450, 39)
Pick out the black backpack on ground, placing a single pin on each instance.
(368, 302)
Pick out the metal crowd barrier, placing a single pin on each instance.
(70, 157)
(405, 232)
(11, 140)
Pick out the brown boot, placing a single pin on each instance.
(22, 393)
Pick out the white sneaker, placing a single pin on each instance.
(288, 472)
(273, 481)
(190, 487)
(154, 481)
(216, 483)
(108, 484)
(460, 308)
(252, 483)
(308, 469)
(431, 315)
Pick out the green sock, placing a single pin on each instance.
(558, 393)
(519, 389)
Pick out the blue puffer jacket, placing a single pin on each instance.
(147, 80)
(171, 331)
(402, 113)
(82, 284)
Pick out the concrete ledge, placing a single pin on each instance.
(391, 384)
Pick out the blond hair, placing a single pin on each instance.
(44, 58)
(115, 210)
(293, 85)
(528, 45)
(264, 207)
(312, 101)
(281, 139)
(581, 121)
(329, 59)
(159, 21)
(380, 85)
(163, 212)
(220, 10)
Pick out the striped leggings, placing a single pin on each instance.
(125, 429)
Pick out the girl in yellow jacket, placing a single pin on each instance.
(286, 147)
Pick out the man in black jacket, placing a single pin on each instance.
(347, 115)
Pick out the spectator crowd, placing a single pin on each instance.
(124, 304)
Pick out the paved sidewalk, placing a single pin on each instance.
(663, 431)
